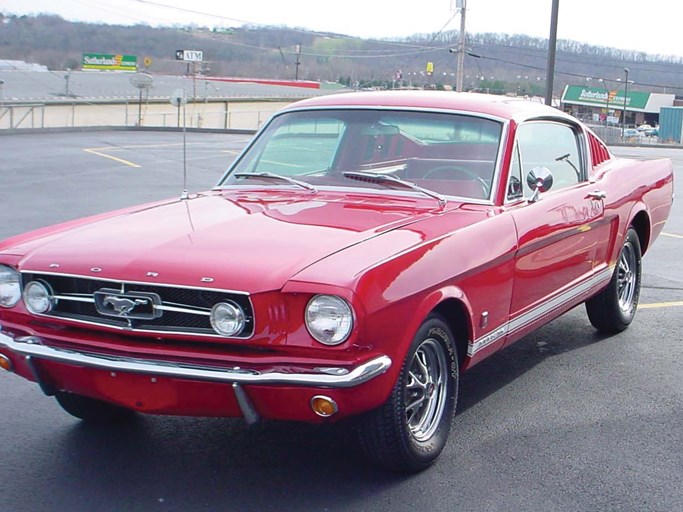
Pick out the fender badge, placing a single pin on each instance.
(207, 279)
(54, 265)
(152, 274)
(96, 269)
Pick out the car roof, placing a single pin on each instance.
(504, 107)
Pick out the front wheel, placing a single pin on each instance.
(613, 309)
(410, 430)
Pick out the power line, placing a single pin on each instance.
(565, 56)
(300, 30)
(417, 51)
(567, 73)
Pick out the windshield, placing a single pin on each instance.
(450, 154)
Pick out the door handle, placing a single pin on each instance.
(598, 195)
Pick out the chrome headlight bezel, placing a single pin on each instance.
(227, 318)
(329, 319)
(10, 286)
(38, 297)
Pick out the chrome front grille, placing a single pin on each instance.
(159, 308)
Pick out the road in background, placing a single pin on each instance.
(564, 420)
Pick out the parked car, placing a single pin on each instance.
(630, 133)
(363, 251)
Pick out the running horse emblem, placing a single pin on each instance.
(123, 306)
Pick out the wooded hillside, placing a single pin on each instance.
(495, 62)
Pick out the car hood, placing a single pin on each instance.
(248, 242)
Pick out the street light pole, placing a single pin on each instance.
(604, 86)
(623, 121)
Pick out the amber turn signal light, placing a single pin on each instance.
(5, 363)
(323, 406)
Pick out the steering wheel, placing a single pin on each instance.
(448, 170)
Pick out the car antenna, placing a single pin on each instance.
(178, 99)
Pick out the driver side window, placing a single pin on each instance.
(554, 146)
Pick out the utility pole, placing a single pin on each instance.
(298, 54)
(460, 72)
(552, 45)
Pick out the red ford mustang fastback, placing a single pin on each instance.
(361, 252)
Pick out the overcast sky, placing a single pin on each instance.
(652, 26)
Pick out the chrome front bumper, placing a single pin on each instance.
(33, 347)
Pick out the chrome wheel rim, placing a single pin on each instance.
(426, 390)
(626, 277)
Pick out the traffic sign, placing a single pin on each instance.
(189, 55)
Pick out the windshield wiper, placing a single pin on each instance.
(271, 176)
(371, 177)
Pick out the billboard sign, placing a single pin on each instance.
(604, 98)
(110, 62)
(189, 55)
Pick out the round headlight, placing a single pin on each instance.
(10, 286)
(329, 319)
(227, 319)
(38, 297)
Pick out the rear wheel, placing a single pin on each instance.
(613, 309)
(92, 410)
(410, 430)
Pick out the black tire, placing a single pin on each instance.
(410, 430)
(612, 310)
(92, 410)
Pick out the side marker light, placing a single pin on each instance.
(6, 364)
(323, 406)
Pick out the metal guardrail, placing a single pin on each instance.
(22, 116)
(226, 115)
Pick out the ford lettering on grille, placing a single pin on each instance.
(129, 305)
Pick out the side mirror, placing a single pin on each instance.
(539, 179)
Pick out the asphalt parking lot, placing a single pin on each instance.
(564, 420)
